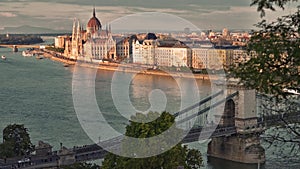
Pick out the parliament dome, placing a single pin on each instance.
(94, 22)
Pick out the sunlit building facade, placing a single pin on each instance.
(152, 51)
(92, 44)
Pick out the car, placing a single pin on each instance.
(24, 160)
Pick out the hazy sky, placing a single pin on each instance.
(204, 14)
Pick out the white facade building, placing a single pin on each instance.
(144, 53)
(200, 58)
(151, 52)
(123, 48)
(210, 58)
(100, 47)
(172, 56)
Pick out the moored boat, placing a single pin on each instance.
(39, 57)
(3, 57)
(27, 53)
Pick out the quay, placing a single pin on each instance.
(55, 56)
(126, 68)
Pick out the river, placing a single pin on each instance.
(38, 94)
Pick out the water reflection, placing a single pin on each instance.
(216, 163)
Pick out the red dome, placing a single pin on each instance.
(94, 22)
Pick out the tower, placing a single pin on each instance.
(76, 40)
(239, 112)
(225, 32)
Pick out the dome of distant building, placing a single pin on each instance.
(151, 36)
(94, 24)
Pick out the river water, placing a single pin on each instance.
(38, 93)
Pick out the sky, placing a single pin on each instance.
(135, 14)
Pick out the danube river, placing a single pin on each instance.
(38, 93)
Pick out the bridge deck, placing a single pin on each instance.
(19, 46)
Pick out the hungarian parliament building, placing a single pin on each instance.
(92, 44)
(97, 44)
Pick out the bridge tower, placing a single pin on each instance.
(15, 48)
(240, 111)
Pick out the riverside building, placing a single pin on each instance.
(93, 44)
(220, 58)
(156, 52)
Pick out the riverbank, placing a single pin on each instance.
(58, 59)
(132, 68)
(63, 61)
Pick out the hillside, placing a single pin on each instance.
(26, 29)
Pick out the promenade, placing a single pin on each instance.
(129, 68)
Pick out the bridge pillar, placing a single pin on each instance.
(15, 48)
(240, 111)
(66, 157)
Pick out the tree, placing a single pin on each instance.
(275, 68)
(60, 50)
(177, 156)
(262, 5)
(193, 158)
(277, 61)
(16, 142)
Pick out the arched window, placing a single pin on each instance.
(229, 113)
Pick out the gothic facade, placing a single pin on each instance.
(93, 44)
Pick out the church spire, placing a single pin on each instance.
(94, 12)
(74, 30)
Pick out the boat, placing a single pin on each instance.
(27, 53)
(39, 57)
(3, 57)
(66, 65)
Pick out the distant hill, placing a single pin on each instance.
(26, 29)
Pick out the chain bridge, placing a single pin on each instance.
(228, 117)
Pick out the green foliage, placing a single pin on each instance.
(60, 50)
(16, 141)
(193, 158)
(81, 166)
(270, 4)
(177, 156)
(7, 150)
(277, 61)
(145, 130)
(276, 66)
